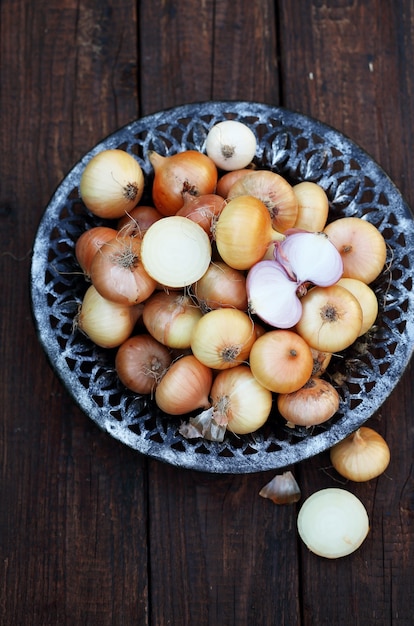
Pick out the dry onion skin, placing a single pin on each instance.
(333, 523)
(176, 251)
(282, 489)
(363, 455)
(112, 183)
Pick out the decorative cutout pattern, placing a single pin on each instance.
(299, 148)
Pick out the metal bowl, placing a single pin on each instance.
(299, 148)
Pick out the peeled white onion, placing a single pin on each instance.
(333, 523)
(231, 145)
(175, 251)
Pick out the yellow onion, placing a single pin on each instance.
(222, 338)
(281, 361)
(361, 245)
(118, 273)
(138, 220)
(106, 323)
(366, 298)
(274, 191)
(190, 171)
(361, 456)
(313, 206)
(88, 244)
(170, 317)
(243, 232)
(112, 183)
(184, 387)
(331, 318)
(314, 403)
(221, 286)
(140, 362)
(239, 401)
(203, 210)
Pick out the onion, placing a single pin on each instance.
(111, 183)
(314, 403)
(321, 361)
(204, 210)
(243, 232)
(184, 387)
(361, 245)
(118, 273)
(274, 191)
(176, 251)
(333, 523)
(106, 323)
(141, 362)
(88, 244)
(361, 456)
(366, 298)
(331, 318)
(221, 286)
(239, 401)
(272, 295)
(185, 172)
(281, 361)
(137, 221)
(313, 206)
(309, 257)
(222, 338)
(171, 318)
(231, 145)
(226, 181)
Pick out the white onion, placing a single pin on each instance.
(333, 523)
(231, 145)
(175, 251)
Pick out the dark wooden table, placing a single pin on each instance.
(91, 532)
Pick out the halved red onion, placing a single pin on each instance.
(272, 295)
(310, 257)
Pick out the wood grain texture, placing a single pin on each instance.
(91, 533)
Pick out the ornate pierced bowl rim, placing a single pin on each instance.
(299, 147)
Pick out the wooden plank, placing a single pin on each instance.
(225, 549)
(230, 553)
(73, 512)
(208, 50)
(347, 64)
